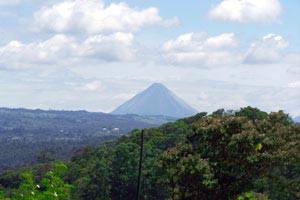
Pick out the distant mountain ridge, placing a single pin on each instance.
(156, 100)
(25, 133)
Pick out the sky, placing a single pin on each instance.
(96, 54)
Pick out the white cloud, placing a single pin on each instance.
(17, 54)
(247, 11)
(92, 86)
(268, 50)
(294, 84)
(114, 47)
(66, 49)
(201, 50)
(94, 17)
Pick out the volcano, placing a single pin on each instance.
(156, 100)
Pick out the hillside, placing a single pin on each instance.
(222, 156)
(25, 134)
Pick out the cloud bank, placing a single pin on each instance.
(67, 49)
(247, 11)
(94, 17)
(201, 49)
(268, 50)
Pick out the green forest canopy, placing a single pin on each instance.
(247, 154)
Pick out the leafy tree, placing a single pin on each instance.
(283, 180)
(219, 112)
(187, 175)
(125, 171)
(10, 179)
(91, 174)
(237, 152)
(195, 118)
(52, 186)
(252, 196)
(252, 113)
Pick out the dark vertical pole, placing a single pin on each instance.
(140, 166)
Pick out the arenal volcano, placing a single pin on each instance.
(156, 100)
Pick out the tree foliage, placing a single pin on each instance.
(50, 187)
(242, 155)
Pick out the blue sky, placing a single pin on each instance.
(96, 54)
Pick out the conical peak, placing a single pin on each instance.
(158, 86)
(156, 100)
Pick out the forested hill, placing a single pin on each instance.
(241, 155)
(27, 134)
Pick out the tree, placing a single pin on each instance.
(125, 171)
(251, 113)
(185, 173)
(91, 174)
(51, 187)
(235, 150)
